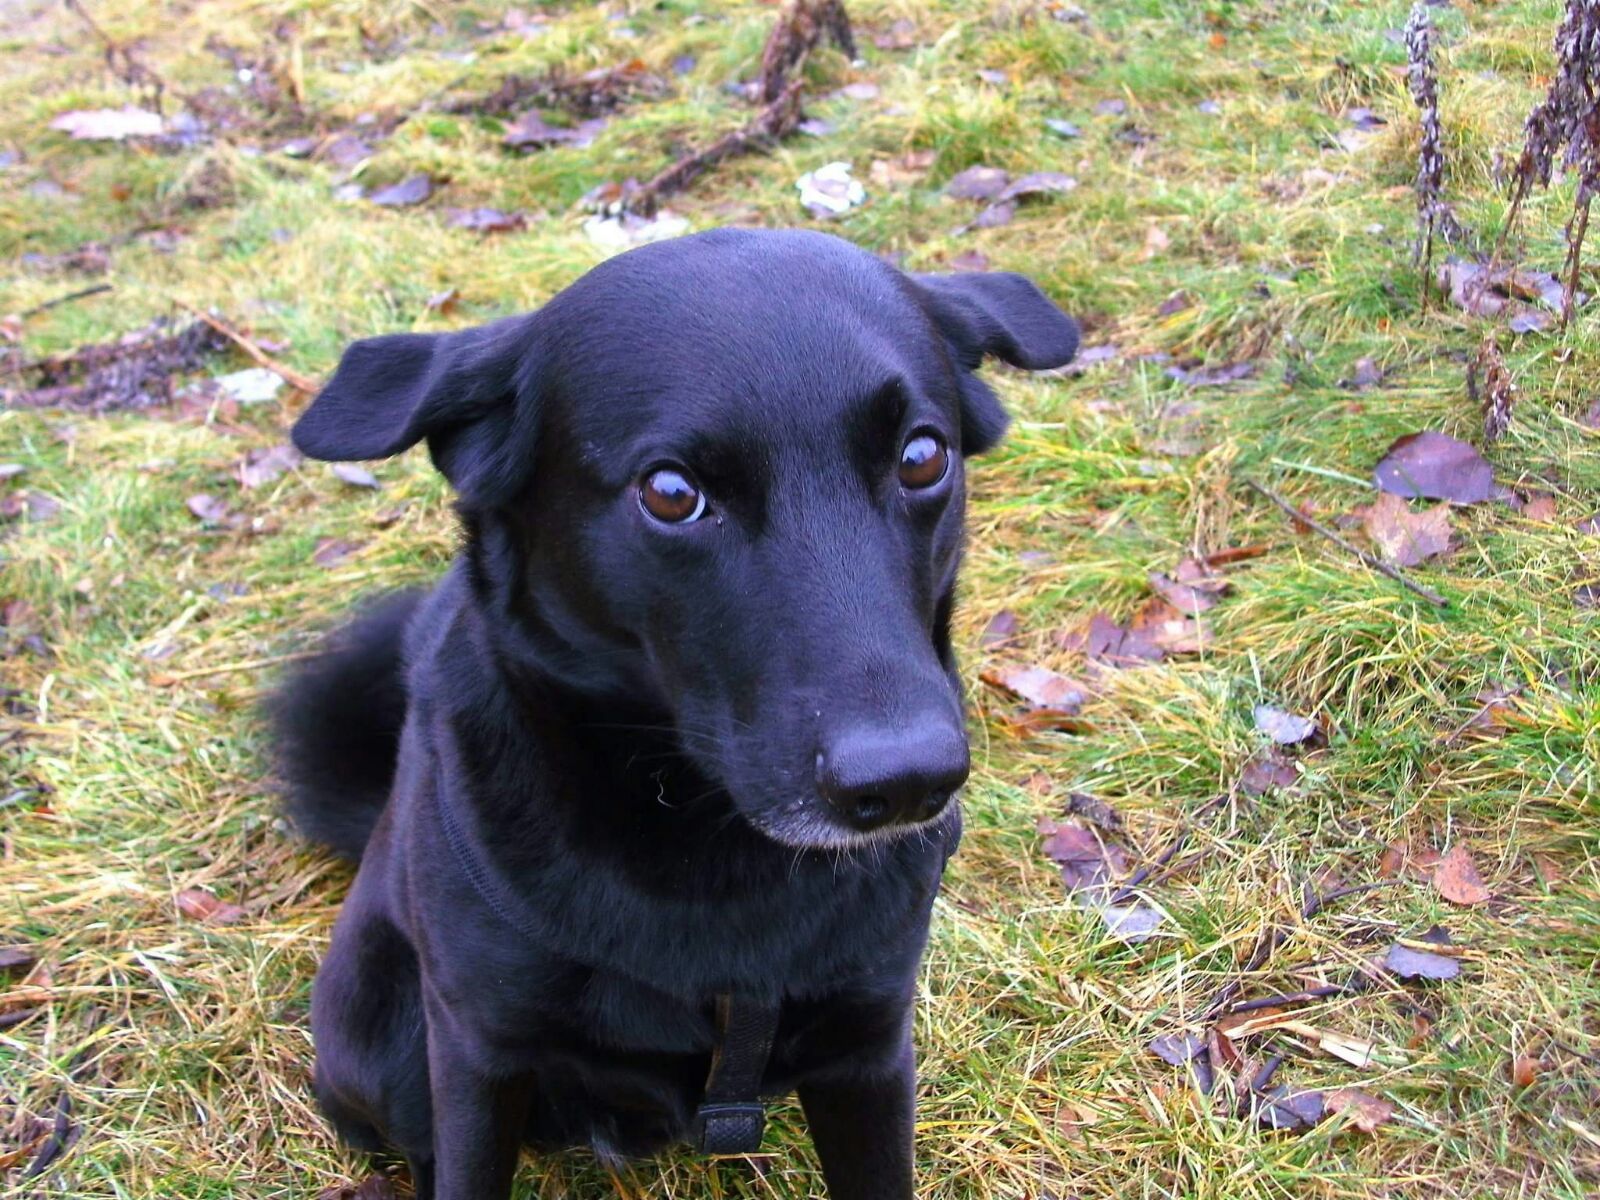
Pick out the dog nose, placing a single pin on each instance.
(873, 778)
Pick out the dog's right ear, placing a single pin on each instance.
(472, 394)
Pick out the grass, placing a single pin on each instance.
(183, 1046)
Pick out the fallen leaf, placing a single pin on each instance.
(1408, 963)
(1155, 241)
(1546, 868)
(260, 467)
(1002, 627)
(1040, 183)
(1114, 107)
(1403, 537)
(1391, 860)
(1364, 1111)
(332, 551)
(1169, 630)
(108, 124)
(978, 183)
(1525, 1069)
(1131, 923)
(355, 476)
(990, 75)
(1001, 212)
(1038, 687)
(1177, 302)
(1540, 508)
(1284, 728)
(208, 508)
(1095, 811)
(1267, 771)
(1435, 466)
(485, 220)
(1086, 860)
(36, 506)
(443, 302)
(1213, 376)
(373, 1187)
(1457, 878)
(1284, 1109)
(412, 190)
(902, 35)
(17, 960)
(1062, 128)
(200, 905)
(531, 131)
(1191, 596)
(1178, 1048)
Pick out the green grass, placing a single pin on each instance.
(184, 1047)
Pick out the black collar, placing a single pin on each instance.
(731, 1117)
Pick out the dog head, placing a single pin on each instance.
(721, 479)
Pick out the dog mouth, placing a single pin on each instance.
(810, 824)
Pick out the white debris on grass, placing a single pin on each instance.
(830, 191)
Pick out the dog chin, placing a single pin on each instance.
(803, 827)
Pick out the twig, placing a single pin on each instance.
(133, 71)
(775, 121)
(797, 33)
(1274, 937)
(259, 356)
(1129, 885)
(1286, 998)
(248, 664)
(1377, 564)
(80, 294)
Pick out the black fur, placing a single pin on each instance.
(692, 759)
(337, 728)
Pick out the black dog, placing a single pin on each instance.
(653, 792)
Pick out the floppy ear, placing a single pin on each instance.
(1000, 314)
(471, 394)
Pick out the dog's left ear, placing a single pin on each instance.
(472, 394)
(1000, 314)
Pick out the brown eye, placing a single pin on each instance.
(667, 495)
(924, 461)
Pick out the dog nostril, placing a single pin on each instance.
(870, 809)
(933, 802)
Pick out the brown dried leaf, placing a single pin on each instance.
(1365, 1111)
(200, 905)
(1085, 859)
(1267, 771)
(332, 551)
(1038, 687)
(1404, 537)
(373, 1187)
(1525, 1069)
(262, 466)
(1457, 878)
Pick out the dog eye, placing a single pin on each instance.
(924, 461)
(669, 496)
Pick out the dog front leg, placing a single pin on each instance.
(477, 1120)
(864, 1129)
